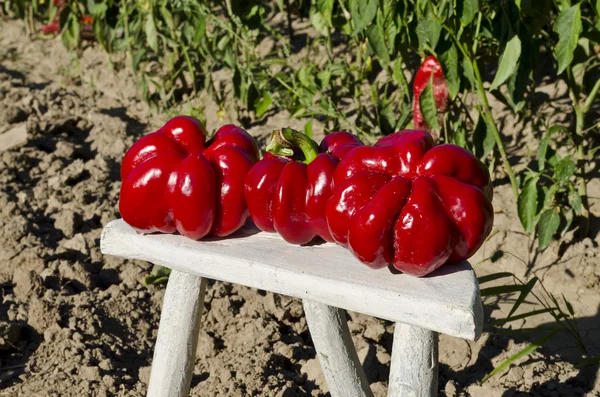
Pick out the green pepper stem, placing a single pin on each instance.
(284, 141)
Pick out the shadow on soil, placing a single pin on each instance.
(560, 348)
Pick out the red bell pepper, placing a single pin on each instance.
(175, 181)
(430, 70)
(287, 191)
(406, 202)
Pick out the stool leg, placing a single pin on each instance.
(337, 355)
(414, 368)
(175, 351)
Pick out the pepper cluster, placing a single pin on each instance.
(402, 201)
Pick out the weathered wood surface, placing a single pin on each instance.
(414, 367)
(447, 301)
(337, 354)
(175, 350)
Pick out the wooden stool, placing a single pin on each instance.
(328, 279)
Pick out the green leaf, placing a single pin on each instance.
(96, 9)
(223, 42)
(428, 30)
(199, 30)
(320, 16)
(308, 129)
(568, 27)
(263, 104)
(398, 73)
(151, 34)
(509, 319)
(521, 80)
(501, 289)
(449, 60)
(568, 216)
(319, 22)
(137, 58)
(509, 60)
(527, 350)
(363, 12)
(483, 138)
(575, 200)
(167, 17)
(547, 227)
(468, 72)
(467, 10)
(527, 204)
(377, 42)
(161, 276)
(428, 108)
(460, 136)
(564, 170)
(523, 295)
(493, 276)
(543, 149)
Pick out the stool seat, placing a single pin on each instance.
(328, 279)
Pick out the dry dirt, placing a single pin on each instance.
(76, 323)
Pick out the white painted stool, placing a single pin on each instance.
(328, 279)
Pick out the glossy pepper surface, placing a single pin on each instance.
(407, 202)
(287, 191)
(430, 71)
(175, 180)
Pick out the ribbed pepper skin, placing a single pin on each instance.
(407, 202)
(289, 197)
(173, 180)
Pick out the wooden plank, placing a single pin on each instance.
(414, 367)
(337, 354)
(175, 351)
(446, 301)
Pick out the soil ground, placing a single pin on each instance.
(76, 323)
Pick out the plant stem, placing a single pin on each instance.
(579, 139)
(284, 141)
(492, 124)
(584, 218)
(590, 99)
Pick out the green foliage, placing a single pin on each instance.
(159, 277)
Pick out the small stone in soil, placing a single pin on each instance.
(144, 374)
(25, 282)
(77, 243)
(515, 375)
(13, 138)
(89, 373)
(375, 332)
(67, 221)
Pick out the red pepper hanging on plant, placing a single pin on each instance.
(434, 100)
(54, 25)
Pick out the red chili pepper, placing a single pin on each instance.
(287, 191)
(54, 26)
(175, 181)
(406, 202)
(430, 70)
